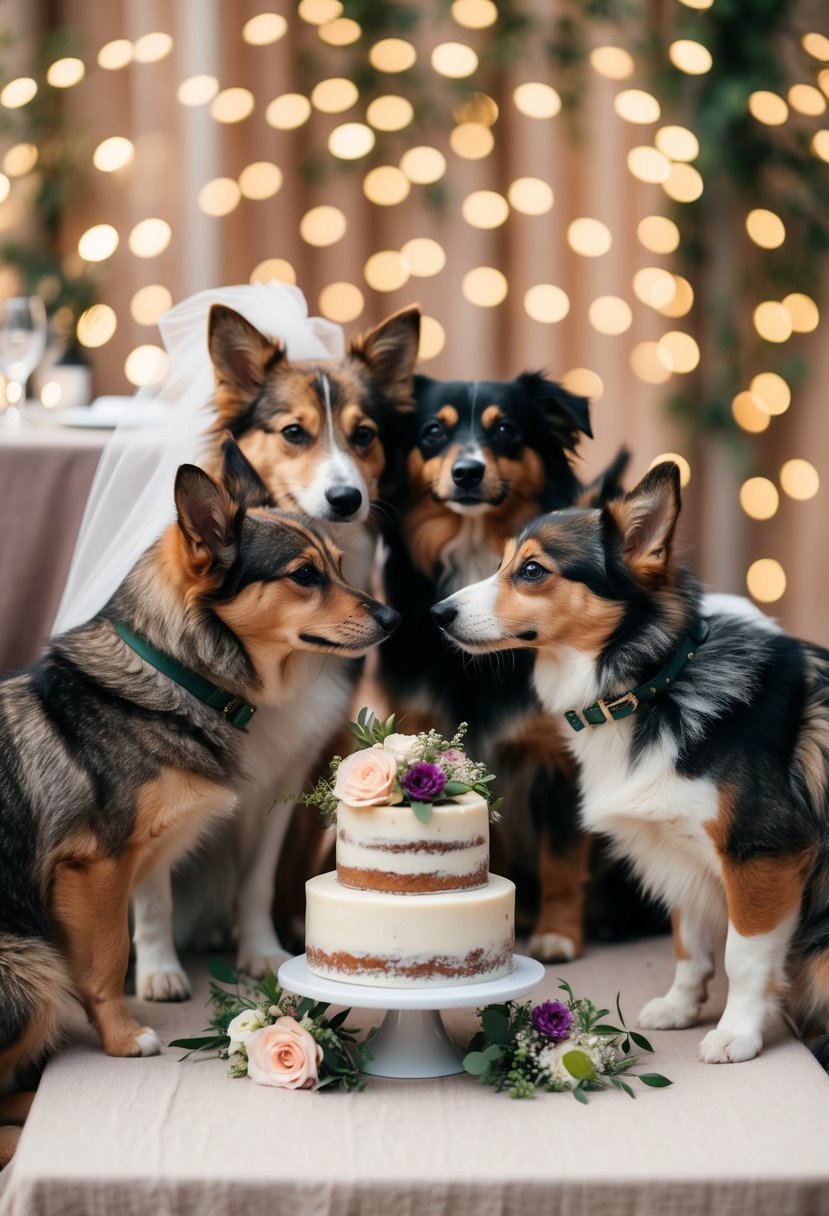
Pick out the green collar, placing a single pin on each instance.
(237, 711)
(622, 707)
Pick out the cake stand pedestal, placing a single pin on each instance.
(412, 1040)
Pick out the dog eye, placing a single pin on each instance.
(294, 433)
(307, 575)
(363, 436)
(506, 430)
(533, 571)
(433, 432)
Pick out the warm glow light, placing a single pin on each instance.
(658, 234)
(197, 90)
(823, 80)
(454, 59)
(98, 243)
(748, 415)
(386, 185)
(341, 32)
(390, 112)
(537, 100)
(680, 462)
(423, 165)
(260, 180)
(816, 45)
(20, 160)
(768, 108)
(273, 268)
(432, 338)
(765, 228)
(475, 14)
(219, 196)
(648, 164)
(806, 99)
(612, 62)
(485, 209)
(264, 29)
(766, 580)
(690, 57)
(799, 479)
(484, 286)
(392, 55)
(646, 364)
(635, 105)
(146, 365)
(18, 92)
(530, 195)
(472, 141)
(96, 326)
(610, 315)
(322, 225)
(803, 312)
(386, 271)
(288, 111)
(584, 382)
(351, 140)
(334, 95)
(424, 256)
(149, 303)
(113, 153)
(115, 54)
(546, 303)
(5, 187)
(772, 321)
(476, 107)
(232, 105)
(63, 73)
(150, 238)
(654, 286)
(683, 184)
(319, 12)
(699, 4)
(678, 143)
(682, 300)
(341, 302)
(590, 238)
(50, 394)
(678, 351)
(771, 393)
(152, 47)
(820, 144)
(759, 498)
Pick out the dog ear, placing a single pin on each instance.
(390, 351)
(243, 483)
(241, 356)
(645, 520)
(566, 413)
(209, 520)
(608, 485)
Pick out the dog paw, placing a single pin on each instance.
(552, 948)
(664, 1014)
(258, 963)
(129, 1043)
(166, 985)
(724, 1047)
(149, 1044)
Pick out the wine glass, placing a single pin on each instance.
(22, 342)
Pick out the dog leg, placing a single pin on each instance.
(91, 908)
(559, 930)
(680, 1006)
(14, 1109)
(159, 976)
(260, 950)
(763, 897)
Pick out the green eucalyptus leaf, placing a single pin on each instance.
(496, 1026)
(605, 1028)
(453, 788)
(654, 1079)
(493, 1053)
(475, 1063)
(304, 1006)
(222, 971)
(579, 1094)
(423, 811)
(640, 1041)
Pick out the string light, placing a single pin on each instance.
(816, 45)
(690, 57)
(610, 315)
(150, 237)
(766, 580)
(340, 32)
(113, 154)
(98, 243)
(683, 184)
(536, 100)
(612, 62)
(341, 302)
(96, 325)
(273, 268)
(64, 73)
(232, 105)
(820, 144)
(288, 111)
(432, 338)
(765, 228)
(803, 312)
(472, 141)
(591, 238)
(768, 108)
(654, 286)
(637, 106)
(583, 382)
(392, 55)
(334, 95)
(772, 321)
(759, 498)
(806, 99)
(152, 47)
(485, 209)
(530, 195)
(658, 234)
(260, 180)
(678, 143)
(424, 256)
(324, 225)
(146, 365)
(474, 14)
(423, 165)
(648, 164)
(319, 12)
(5, 187)
(149, 303)
(680, 462)
(219, 196)
(264, 29)
(115, 55)
(386, 185)
(351, 141)
(799, 479)
(390, 112)
(678, 351)
(18, 92)
(485, 286)
(546, 303)
(646, 364)
(682, 301)
(454, 60)
(771, 393)
(20, 160)
(197, 90)
(748, 415)
(386, 270)
(477, 108)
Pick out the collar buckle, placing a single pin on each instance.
(627, 698)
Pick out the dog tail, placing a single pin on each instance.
(33, 985)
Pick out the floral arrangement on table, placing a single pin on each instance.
(390, 768)
(556, 1046)
(279, 1039)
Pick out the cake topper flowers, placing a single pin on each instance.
(390, 768)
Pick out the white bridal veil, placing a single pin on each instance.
(131, 499)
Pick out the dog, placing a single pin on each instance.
(323, 439)
(125, 741)
(483, 457)
(702, 735)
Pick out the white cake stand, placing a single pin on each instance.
(412, 1040)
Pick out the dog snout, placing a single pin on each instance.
(344, 500)
(443, 613)
(467, 472)
(386, 617)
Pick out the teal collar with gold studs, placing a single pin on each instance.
(602, 711)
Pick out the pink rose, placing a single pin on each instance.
(285, 1055)
(366, 778)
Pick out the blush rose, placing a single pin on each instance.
(285, 1055)
(367, 778)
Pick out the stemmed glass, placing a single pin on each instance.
(22, 343)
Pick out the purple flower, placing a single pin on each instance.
(423, 782)
(553, 1020)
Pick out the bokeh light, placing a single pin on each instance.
(646, 364)
(485, 286)
(637, 106)
(386, 185)
(324, 225)
(18, 92)
(766, 580)
(146, 365)
(423, 165)
(475, 14)
(820, 144)
(219, 196)
(260, 180)
(432, 338)
(654, 286)
(150, 303)
(683, 184)
(392, 55)
(152, 47)
(334, 95)
(648, 164)
(530, 196)
(232, 105)
(424, 257)
(765, 228)
(682, 301)
(678, 143)
(455, 60)
(690, 57)
(610, 315)
(658, 234)
(680, 462)
(485, 209)
(537, 100)
(264, 29)
(273, 268)
(678, 351)
(150, 237)
(768, 108)
(584, 382)
(98, 243)
(803, 311)
(386, 270)
(546, 303)
(771, 393)
(288, 111)
(612, 62)
(115, 54)
(471, 140)
(341, 302)
(816, 45)
(351, 141)
(113, 154)
(340, 32)
(96, 325)
(390, 112)
(319, 12)
(64, 73)
(197, 90)
(748, 415)
(772, 321)
(759, 498)
(591, 238)
(806, 99)
(799, 479)
(20, 160)
(478, 108)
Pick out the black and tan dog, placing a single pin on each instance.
(702, 735)
(123, 743)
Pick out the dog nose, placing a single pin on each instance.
(386, 618)
(468, 472)
(344, 500)
(444, 613)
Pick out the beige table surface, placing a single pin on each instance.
(141, 1137)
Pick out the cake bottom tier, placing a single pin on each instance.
(403, 941)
